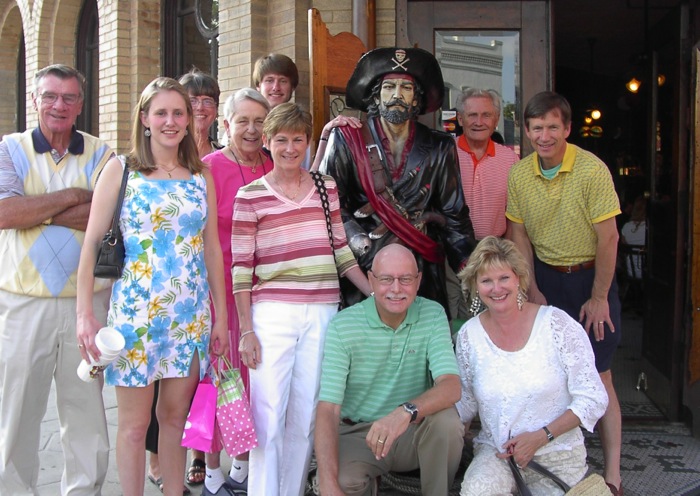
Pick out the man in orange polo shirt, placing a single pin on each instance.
(484, 167)
(484, 164)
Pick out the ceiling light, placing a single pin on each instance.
(633, 85)
(595, 114)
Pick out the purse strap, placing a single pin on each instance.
(321, 187)
(523, 490)
(543, 471)
(120, 199)
(323, 194)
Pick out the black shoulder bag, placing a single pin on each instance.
(110, 256)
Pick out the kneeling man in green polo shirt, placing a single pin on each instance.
(389, 384)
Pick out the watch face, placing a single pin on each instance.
(412, 409)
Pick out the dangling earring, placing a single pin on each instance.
(187, 131)
(475, 305)
(147, 132)
(520, 298)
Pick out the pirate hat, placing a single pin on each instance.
(414, 61)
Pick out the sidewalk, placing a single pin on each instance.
(659, 458)
(51, 455)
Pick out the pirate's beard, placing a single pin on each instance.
(398, 116)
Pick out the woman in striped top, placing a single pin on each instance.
(280, 237)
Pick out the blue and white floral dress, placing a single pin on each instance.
(161, 303)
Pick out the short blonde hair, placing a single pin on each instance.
(287, 117)
(493, 252)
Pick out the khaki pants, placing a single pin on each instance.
(37, 344)
(434, 446)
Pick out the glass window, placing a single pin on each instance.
(485, 60)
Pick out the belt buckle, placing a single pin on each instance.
(568, 269)
(373, 145)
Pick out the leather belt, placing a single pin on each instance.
(568, 269)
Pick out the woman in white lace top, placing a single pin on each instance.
(528, 372)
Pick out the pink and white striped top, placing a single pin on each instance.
(286, 245)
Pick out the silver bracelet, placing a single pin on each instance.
(245, 334)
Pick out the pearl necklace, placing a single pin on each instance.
(296, 193)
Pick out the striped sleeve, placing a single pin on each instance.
(243, 232)
(441, 356)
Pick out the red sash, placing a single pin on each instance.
(397, 224)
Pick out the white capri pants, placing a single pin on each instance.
(284, 392)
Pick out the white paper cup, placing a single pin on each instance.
(89, 371)
(109, 341)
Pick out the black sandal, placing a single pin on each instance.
(196, 473)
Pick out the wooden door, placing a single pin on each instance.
(667, 158)
(692, 386)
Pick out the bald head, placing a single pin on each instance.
(394, 279)
(396, 253)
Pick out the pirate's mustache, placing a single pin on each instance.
(399, 102)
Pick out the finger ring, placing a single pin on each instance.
(601, 322)
(380, 441)
(81, 346)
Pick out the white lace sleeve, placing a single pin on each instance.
(467, 405)
(589, 399)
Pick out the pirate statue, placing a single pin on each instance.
(398, 180)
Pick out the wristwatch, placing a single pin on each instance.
(412, 409)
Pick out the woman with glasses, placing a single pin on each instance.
(204, 97)
(285, 282)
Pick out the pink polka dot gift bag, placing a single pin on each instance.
(233, 412)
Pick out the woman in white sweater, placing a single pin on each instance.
(528, 371)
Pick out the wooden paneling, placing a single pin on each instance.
(332, 60)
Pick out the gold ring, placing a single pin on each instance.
(380, 441)
(601, 322)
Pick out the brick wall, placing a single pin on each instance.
(130, 47)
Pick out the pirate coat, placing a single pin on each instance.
(429, 184)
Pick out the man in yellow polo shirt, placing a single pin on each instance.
(561, 211)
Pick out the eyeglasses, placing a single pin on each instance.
(51, 98)
(405, 280)
(205, 102)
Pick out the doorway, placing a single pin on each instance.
(596, 54)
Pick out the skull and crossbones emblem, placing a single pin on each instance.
(400, 59)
